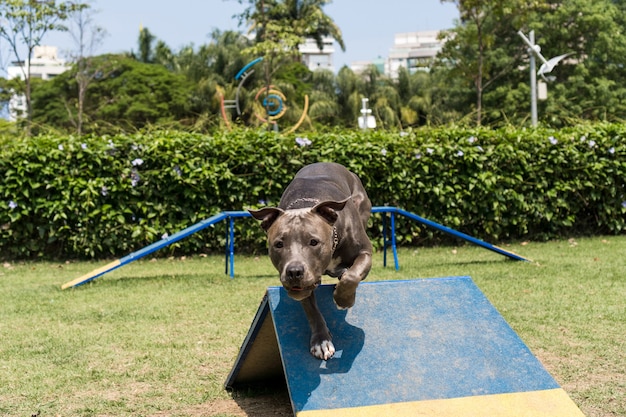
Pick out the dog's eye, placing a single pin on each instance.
(313, 242)
(278, 244)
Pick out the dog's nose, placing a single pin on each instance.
(295, 272)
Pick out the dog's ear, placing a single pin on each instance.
(328, 209)
(267, 215)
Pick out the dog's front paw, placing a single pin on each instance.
(344, 301)
(345, 294)
(323, 350)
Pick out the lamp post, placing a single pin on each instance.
(365, 120)
(546, 67)
(532, 51)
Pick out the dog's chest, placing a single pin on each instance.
(336, 267)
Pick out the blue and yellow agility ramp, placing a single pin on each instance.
(389, 240)
(425, 347)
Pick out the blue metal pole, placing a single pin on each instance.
(230, 244)
(226, 252)
(384, 216)
(145, 251)
(461, 235)
(231, 253)
(393, 241)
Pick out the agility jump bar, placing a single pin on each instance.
(445, 229)
(230, 238)
(145, 251)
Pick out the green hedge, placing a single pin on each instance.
(65, 197)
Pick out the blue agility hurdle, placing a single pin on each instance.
(145, 251)
(394, 210)
(389, 241)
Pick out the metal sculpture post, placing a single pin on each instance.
(546, 67)
(532, 51)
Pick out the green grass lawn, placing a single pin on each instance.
(159, 337)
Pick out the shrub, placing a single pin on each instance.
(101, 196)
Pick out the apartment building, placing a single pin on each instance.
(415, 51)
(44, 64)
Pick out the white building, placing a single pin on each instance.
(44, 64)
(415, 51)
(314, 58)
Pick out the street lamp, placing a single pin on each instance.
(367, 120)
(546, 67)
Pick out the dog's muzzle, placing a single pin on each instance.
(295, 281)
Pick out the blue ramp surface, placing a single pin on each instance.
(431, 347)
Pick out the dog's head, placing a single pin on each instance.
(301, 243)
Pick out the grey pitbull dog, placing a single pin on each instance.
(319, 227)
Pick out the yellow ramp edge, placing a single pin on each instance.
(546, 403)
(91, 274)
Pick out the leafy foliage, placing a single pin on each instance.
(124, 95)
(480, 76)
(102, 196)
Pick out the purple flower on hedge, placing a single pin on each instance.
(459, 153)
(134, 178)
(165, 235)
(418, 155)
(83, 145)
(583, 138)
(303, 141)
(624, 204)
(110, 144)
(262, 202)
(12, 205)
(592, 143)
(480, 148)
(137, 161)
(178, 171)
(383, 151)
(135, 147)
(104, 190)
(611, 150)
(430, 151)
(553, 140)
(472, 139)
(61, 147)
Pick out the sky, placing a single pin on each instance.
(368, 26)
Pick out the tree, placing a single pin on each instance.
(87, 37)
(481, 48)
(129, 96)
(309, 20)
(591, 84)
(275, 40)
(415, 94)
(281, 26)
(25, 23)
(144, 42)
(324, 106)
(350, 89)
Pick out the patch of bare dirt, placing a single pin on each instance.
(276, 405)
(266, 405)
